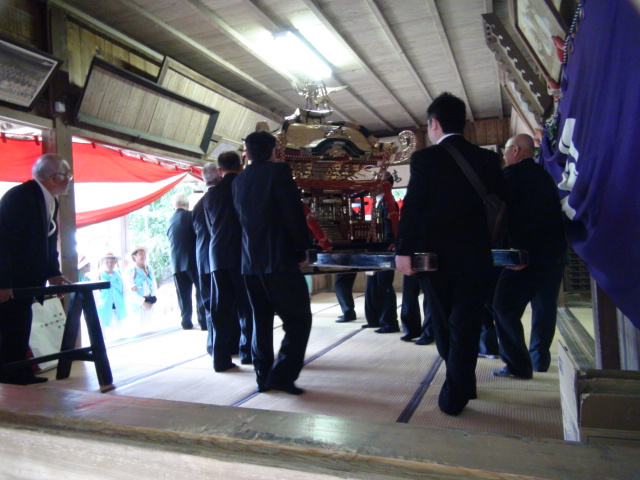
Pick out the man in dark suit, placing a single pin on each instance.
(203, 239)
(274, 239)
(412, 325)
(28, 256)
(229, 302)
(380, 301)
(343, 286)
(535, 225)
(182, 239)
(443, 214)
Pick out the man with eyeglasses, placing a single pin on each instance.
(28, 256)
(535, 225)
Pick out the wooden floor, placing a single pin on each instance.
(369, 413)
(350, 372)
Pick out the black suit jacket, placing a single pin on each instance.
(387, 226)
(442, 213)
(224, 226)
(28, 256)
(182, 239)
(274, 229)
(535, 214)
(203, 239)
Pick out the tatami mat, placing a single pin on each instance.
(350, 372)
(508, 412)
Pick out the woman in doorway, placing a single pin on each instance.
(111, 308)
(140, 290)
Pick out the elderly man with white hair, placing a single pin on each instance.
(182, 239)
(28, 256)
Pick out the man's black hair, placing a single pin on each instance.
(450, 111)
(259, 145)
(229, 161)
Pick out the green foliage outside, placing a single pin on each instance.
(399, 193)
(148, 228)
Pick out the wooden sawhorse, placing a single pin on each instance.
(80, 301)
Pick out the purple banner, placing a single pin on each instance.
(596, 157)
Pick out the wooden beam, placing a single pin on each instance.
(488, 8)
(58, 140)
(124, 142)
(244, 43)
(446, 46)
(98, 25)
(240, 40)
(172, 64)
(313, 6)
(277, 26)
(279, 442)
(27, 119)
(218, 60)
(386, 28)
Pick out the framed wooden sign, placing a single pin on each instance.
(24, 73)
(536, 21)
(120, 101)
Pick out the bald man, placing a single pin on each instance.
(28, 256)
(535, 225)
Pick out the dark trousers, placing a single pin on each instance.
(230, 305)
(410, 310)
(488, 335)
(15, 330)
(380, 302)
(205, 292)
(185, 281)
(343, 286)
(287, 295)
(516, 288)
(456, 303)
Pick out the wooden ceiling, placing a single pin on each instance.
(394, 56)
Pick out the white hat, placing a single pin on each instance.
(83, 261)
(135, 249)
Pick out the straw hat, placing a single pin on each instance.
(109, 255)
(135, 249)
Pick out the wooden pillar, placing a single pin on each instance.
(605, 326)
(59, 141)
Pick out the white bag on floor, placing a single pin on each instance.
(46, 330)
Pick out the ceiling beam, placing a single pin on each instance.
(312, 5)
(384, 24)
(277, 26)
(241, 41)
(230, 32)
(207, 53)
(446, 46)
(488, 8)
(112, 32)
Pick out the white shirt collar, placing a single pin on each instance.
(445, 136)
(49, 200)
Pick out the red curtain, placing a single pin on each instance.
(96, 164)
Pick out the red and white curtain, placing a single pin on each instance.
(108, 183)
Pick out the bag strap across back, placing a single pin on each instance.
(468, 171)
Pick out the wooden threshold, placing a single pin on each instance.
(309, 444)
